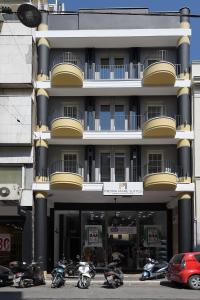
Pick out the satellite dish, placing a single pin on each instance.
(29, 15)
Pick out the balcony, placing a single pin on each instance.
(67, 127)
(113, 72)
(160, 176)
(66, 71)
(66, 175)
(160, 126)
(161, 73)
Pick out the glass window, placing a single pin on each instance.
(119, 68)
(119, 167)
(11, 175)
(177, 259)
(105, 167)
(154, 111)
(70, 162)
(105, 117)
(90, 120)
(197, 256)
(105, 68)
(70, 112)
(119, 117)
(154, 162)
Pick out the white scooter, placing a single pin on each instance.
(154, 270)
(84, 275)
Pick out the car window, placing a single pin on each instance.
(177, 258)
(197, 256)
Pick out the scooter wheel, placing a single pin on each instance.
(83, 283)
(142, 278)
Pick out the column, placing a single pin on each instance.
(184, 161)
(185, 222)
(183, 47)
(41, 150)
(40, 229)
(184, 109)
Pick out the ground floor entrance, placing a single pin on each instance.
(134, 231)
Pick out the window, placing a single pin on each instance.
(105, 167)
(71, 112)
(70, 162)
(155, 161)
(119, 167)
(105, 117)
(151, 61)
(177, 259)
(104, 68)
(154, 111)
(197, 256)
(119, 117)
(119, 68)
(11, 174)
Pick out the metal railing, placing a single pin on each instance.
(78, 115)
(66, 166)
(165, 166)
(113, 72)
(118, 122)
(69, 58)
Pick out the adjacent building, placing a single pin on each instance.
(113, 136)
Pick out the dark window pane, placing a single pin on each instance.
(105, 167)
(197, 256)
(119, 168)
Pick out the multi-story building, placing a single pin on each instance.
(16, 143)
(113, 133)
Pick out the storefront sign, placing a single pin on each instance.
(152, 234)
(93, 235)
(123, 188)
(122, 230)
(5, 242)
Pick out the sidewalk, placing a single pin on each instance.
(99, 279)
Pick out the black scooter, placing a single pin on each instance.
(27, 275)
(58, 275)
(113, 275)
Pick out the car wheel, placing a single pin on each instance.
(194, 282)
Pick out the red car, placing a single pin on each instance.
(185, 268)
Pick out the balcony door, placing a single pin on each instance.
(112, 68)
(105, 117)
(119, 117)
(155, 162)
(70, 162)
(70, 111)
(120, 169)
(155, 110)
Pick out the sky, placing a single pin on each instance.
(153, 5)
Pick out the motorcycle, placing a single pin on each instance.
(113, 275)
(58, 275)
(84, 275)
(154, 269)
(72, 267)
(6, 276)
(27, 275)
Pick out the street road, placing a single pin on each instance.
(146, 290)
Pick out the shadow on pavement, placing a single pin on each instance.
(174, 285)
(10, 295)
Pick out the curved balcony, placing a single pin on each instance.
(66, 175)
(159, 74)
(160, 177)
(67, 127)
(161, 126)
(66, 71)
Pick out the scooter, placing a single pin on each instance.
(27, 275)
(84, 275)
(154, 269)
(58, 275)
(113, 275)
(72, 267)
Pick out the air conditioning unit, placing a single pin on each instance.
(10, 192)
